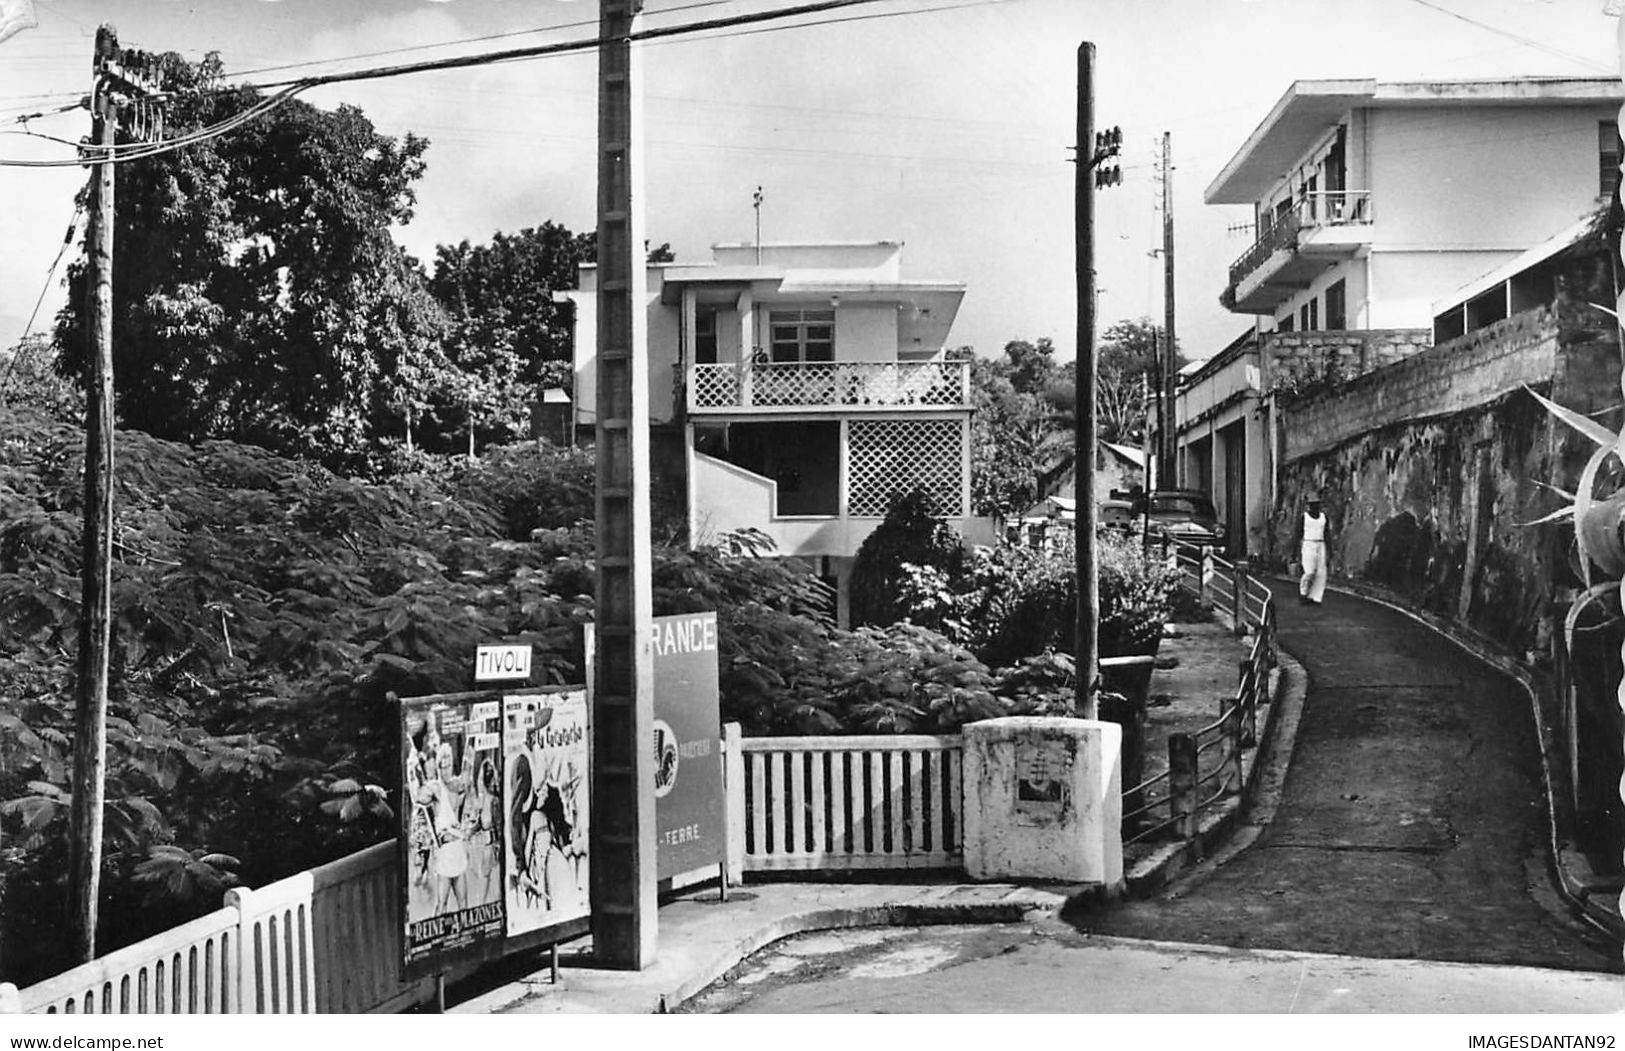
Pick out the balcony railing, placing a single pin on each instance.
(1311, 212)
(851, 385)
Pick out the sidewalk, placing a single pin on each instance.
(702, 939)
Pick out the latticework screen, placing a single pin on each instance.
(893, 456)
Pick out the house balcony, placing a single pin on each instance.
(833, 387)
(1321, 229)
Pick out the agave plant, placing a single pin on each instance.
(1599, 523)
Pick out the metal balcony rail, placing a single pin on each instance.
(1310, 212)
(830, 384)
(1205, 767)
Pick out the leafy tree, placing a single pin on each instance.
(258, 295)
(28, 378)
(1031, 366)
(1128, 375)
(508, 335)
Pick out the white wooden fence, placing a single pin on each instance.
(885, 802)
(328, 940)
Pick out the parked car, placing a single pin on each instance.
(1118, 515)
(1184, 515)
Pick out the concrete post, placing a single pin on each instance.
(1239, 591)
(1043, 799)
(1204, 572)
(1230, 713)
(1182, 787)
(1247, 688)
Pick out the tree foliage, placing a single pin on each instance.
(258, 294)
(265, 613)
(508, 334)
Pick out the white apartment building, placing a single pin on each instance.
(1371, 200)
(799, 386)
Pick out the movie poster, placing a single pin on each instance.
(452, 835)
(546, 750)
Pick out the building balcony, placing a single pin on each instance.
(1319, 230)
(835, 387)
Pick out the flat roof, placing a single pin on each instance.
(1568, 237)
(1310, 109)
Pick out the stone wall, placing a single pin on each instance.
(1442, 380)
(1429, 469)
(1307, 360)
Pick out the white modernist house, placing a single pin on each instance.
(1370, 200)
(795, 388)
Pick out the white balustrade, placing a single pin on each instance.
(854, 385)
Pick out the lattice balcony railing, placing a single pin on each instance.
(895, 456)
(833, 384)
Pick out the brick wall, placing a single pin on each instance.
(1438, 381)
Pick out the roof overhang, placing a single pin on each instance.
(1310, 109)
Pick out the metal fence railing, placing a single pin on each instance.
(1205, 766)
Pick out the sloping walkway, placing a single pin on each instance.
(1413, 821)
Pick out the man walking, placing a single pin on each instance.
(1312, 544)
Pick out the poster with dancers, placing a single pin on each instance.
(545, 750)
(452, 830)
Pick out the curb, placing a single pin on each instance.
(1577, 891)
(1253, 809)
(1020, 903)
(899, 915)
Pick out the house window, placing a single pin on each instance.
(1337, 307)
(1608, 156)
(1284, 325)
(802, 335)
(1309, 316)
(705, 335)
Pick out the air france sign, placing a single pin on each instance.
(688, 762)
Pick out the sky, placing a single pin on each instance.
(944, 124)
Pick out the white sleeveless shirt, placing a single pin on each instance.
(1314, 529)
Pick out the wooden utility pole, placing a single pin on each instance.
(623, 869)
(95, 605)
(123, 100)
(1170, 358)
(1087, 703)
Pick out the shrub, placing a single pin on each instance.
(912, 532)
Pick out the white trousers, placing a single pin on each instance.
(1313, 584)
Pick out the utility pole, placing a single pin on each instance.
(1092, 150)
(623, 872)
(119, 100)
(756, 203)
(1169, 446)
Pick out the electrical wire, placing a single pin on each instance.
(1510, 35)
(67, 241)
(460, 41)
(290, 88)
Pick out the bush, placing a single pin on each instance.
(912, 532)
(1011, 603)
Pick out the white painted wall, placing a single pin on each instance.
(664, 335)
(1406, 284)
(1352, 272)
(1491, 176)
(866, 332)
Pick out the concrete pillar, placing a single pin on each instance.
(1043, 800)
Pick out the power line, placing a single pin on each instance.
(461, 40)
(1510, 35)
(119, 154)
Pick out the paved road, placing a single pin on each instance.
(1049, 967)
(1412, 824)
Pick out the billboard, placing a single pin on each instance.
(690, 816)
(545, 782)
(451, 834)
(689, 807)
